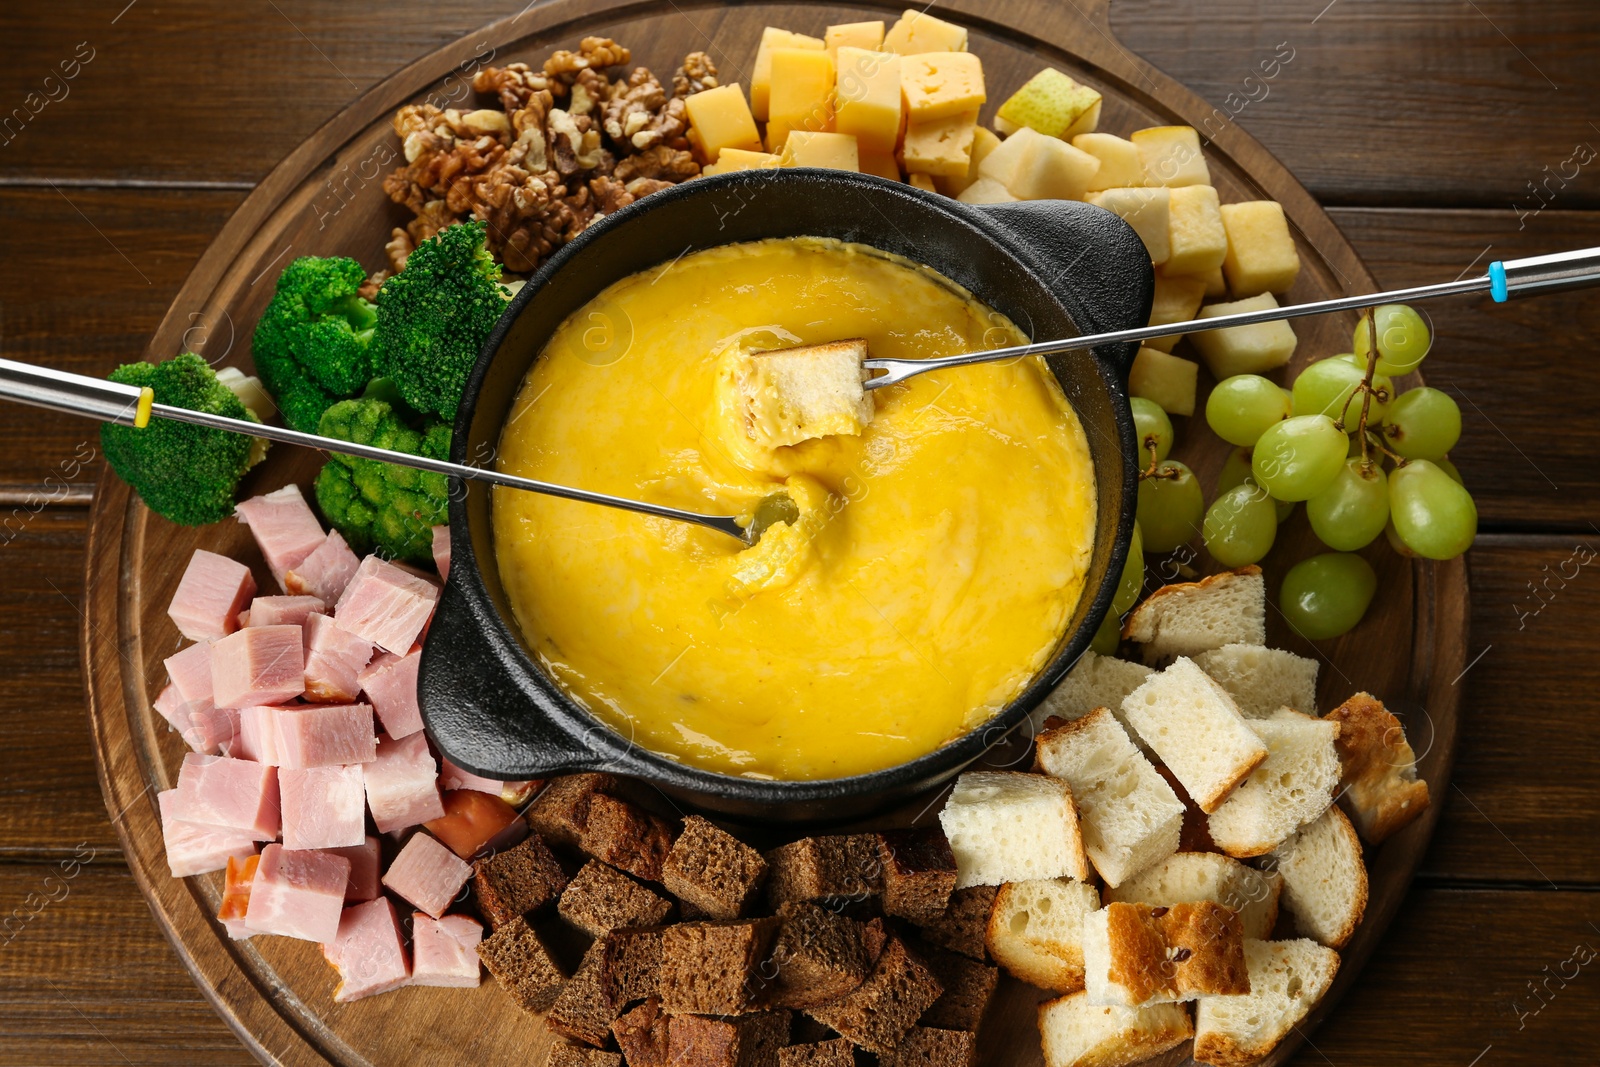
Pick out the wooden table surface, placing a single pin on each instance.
(1441, 135)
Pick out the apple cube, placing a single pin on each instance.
(1244, 349)
(867, 91)
(721, 119)
(1035, 167)
(1120, 165)
(773, 39)
(740, 159)
(940, 85)
(1148, 211)
(1261, 256)
(942, 146)
(1168, 380)
(835, 151)
(1199, 242)
(1176, 300)
(1050, 102)
(801, 95)
(1171, 156)
(986, 191)
(853, 35)
(918, 31)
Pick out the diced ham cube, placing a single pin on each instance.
(390, 682)
(368, 952)
(283, 610)
(258, 665)
(441, 558)
(190, 673)
(196, 849)
(403, 784)
(244, 620)
(284, 527)
(427, 874)
(363, 884)
(297, 893)
(325, 573)
(231, 795)
(386, 604)
(258, 734)
(445, 951)
(335, 658)
(323, 807)
(188, 705)
(324, 735)
(212, 592)
(236, 896)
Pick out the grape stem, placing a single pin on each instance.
(1377, 441)
(1365, 388)
(1150, 471)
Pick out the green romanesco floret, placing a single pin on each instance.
(434, 317)
(187, 473)
(380, 506)
(312, 345)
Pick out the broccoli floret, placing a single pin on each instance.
(380, 506)
(187, 473)
(312, 345)
(434, 316)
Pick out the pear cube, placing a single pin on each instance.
(1120, 164)
(1171, 156)
(1035, 167)
(1199, 241)
(1050, 102)
(1147, 211)
(1261, 256)
(1244, 349)
(1176, 300)
(1168, 380)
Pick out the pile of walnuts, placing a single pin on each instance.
(567, 145)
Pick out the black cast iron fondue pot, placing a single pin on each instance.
(1056, 268)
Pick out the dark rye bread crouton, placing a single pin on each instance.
(818, 956)
(630, 963)
(919, 873)
(523, 965)
(748, 1041)
(626, 836)
(835, 1053)
(822, 868)
(509, 884)
(964, 923)
(642, 1035)
(559, 812)
(565, 1055)
(968, 988)
(586, 1008)
(926, 1047)
(711, 968)
(600, 899)
(711, 871)
(888, 1004)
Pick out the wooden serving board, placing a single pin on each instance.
(326, 199)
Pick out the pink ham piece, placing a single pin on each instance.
(513, 793)
(212, 592)
(196, 849)
(231, 795)
(363, 883)
(297, 894)
(283, 610)
(427, 874)
(258, 665)
(335, 658)
(284, 528)
(203, 727)
(441, 559)
(390, 682)
(258, 735)
(323, 807)
(403, 784)
(368, 952)
(325, 572)
(387, 605)
(325, 735)
(445, 951)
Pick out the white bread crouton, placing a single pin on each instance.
(1290, 788)
(1095, 682)
(1287, 978)
(1181, 620)
(1324, 879)
(1129, 814)
(1194, 726)
(1006, 826)
(1189, 876)
(1036, 931)
(1379, 787)
(1262, 680)
(795, 394)
(1136, 954)
(1077, 1033)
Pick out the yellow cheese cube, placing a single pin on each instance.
(1244, 349)
(867, 97)
(1050, 102)
(921, 181)
(1120, 166)
(835, 151)
(1146, 210)
(1168, 380)
(1171, 156)
(943, 146)
(868, 35)
(772, 39)
(918, 31)
(1035, 167)
(986, 191)
(940, 84)
(1176, 300)
(883, 164)
(802, 94)
(983, 142)
(740, 159)
(1261, 255)
(1199, 242)
(720, 119)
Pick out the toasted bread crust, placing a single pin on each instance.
(1379, 787)
(1176, 952)
(1132, 1045)
(1358, 906)
(1141, 625)
(1213, 800)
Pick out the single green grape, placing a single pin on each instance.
(1403, 339)
(1328, 387)
(1170, 507)
(1299, 457)
(1326, 595)
(1393, 537)
(1235, 470)
(1241, 525)
(1285, 508)
(1422, 423)
(1449, 468)
(1240, 408)
(1132, 580)
(1353, 511)
(1107, 637)
(1149, 421)
(1432, 514)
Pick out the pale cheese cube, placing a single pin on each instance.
(1168, 380)
(1035, 167)
(740, 159)
(940, 85)
(1244, 349)
(1261, 256)
(1176, 299)
(721, 119)
(1147, 211)
(941, 146)
(1199, 242)
(983, 142)
(834, 151)
(868, 98)
(986, 191)
(772, 39)
(1171, 156)
(918, 31)
(855, 35)
(1120, 165)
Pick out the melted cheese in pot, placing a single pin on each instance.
(936, 561)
